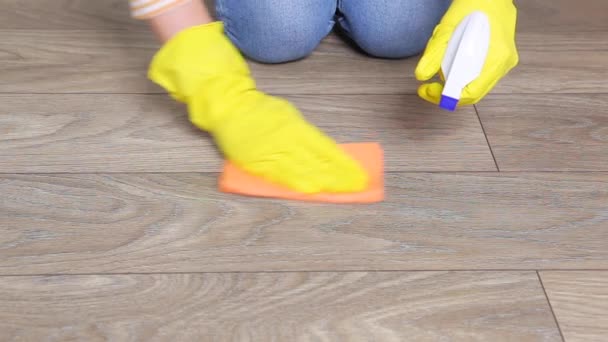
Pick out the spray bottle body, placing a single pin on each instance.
(465, 57)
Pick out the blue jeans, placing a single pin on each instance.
(277, 31)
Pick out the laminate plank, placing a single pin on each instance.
(559, 62)
(562, 16)
(153, 223)
(150, 133)
(547, 132)
(60, 61)
(534, 15)
(67, 14)
(114, 61)
(580, 302)
(361, 306)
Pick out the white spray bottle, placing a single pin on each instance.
(465, 57)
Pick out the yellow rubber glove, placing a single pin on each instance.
(264, 135)
(502, 54)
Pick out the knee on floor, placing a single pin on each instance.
(280, 40)
(398, 30)
(391, 45)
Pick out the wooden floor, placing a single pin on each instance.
(495, 227)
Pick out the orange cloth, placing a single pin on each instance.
(370, 155)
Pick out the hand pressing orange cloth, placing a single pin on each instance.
(370, 155)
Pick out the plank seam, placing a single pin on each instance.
(540, 280)
(486, 136)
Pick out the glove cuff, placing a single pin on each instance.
(194, 57)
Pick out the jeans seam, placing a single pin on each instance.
(341, 18)
(331, 23)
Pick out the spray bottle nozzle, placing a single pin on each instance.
(448, 103)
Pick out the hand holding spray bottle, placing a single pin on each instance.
(465, 57)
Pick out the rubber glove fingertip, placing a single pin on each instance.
(424, 72)
(431, 92)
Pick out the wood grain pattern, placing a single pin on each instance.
(105, 61)
(178, 222)
(553, 59)
(561, 16)
(534, 15)
(115, 61)
(421, 306)
(547, 132)
(126, 195)
(67, 14)
(62, 61)
(139, 133)
(580, 303)
(559, 62)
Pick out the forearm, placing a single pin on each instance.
(167, 24)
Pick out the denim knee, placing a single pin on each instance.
(276, 31)
(391, 28)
